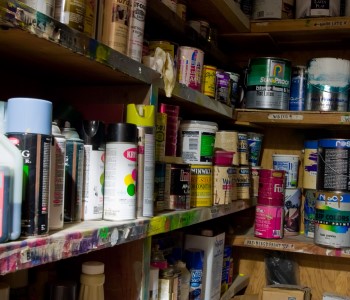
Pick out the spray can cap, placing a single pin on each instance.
(140, 114)
(122, 132)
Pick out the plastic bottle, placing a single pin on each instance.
(185, 280)
(92, 280)
(11, 174)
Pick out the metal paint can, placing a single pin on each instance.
(268, 222)
(332, 220)
(311, 8)
(243, 183)
(177, 191)
(208, 80)
(71, 13)
(309, 212)
(222, 184)
(268, 83)
(271, 187)
(243, 148)
(190, 66)
(254, 141)
(333, 165)
(292, 213)
(222, 87)
(201, 185)
(298, 88)
(328, 84)
(74, 166)
(310, 164)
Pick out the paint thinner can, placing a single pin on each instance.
(222, 87)
(333, 165)
(298, 88)
(74, 168)
(332, 220)
(309, 213)
(208, 80)
(177, 191)
(32, 135)
(201, 185)
(268, 83)
(120, 172)
(93, 135)
(71, 13)
(328, 83)
(292, 213)
(57, 178)
(310, 164)
(243, 148)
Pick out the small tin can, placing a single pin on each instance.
(243, 183)
(243, 148)
(298, 88)
(201, 185)
(208, 80)
(222, 87)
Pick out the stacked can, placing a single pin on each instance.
(269, 210)
(243, 177)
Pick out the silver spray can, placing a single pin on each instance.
(93, 135)
(120, 172)
(57, 178)
(74, 166)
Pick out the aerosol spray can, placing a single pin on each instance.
(120, 172)
(93, 135)
(57, 178)
(29, 128)
(73, 197)
(143, 116)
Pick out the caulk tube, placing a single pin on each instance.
(29, 128)
(11, 182)
(93, 135)
(143, 116)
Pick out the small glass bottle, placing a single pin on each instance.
(91, 281)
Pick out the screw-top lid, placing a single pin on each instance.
(93, 133)
(29, 115)
(122, 132)
(141, 115)
(93, 267)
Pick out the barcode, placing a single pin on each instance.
(192, 144)
(276, 232)
(260, 14)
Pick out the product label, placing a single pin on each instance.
(201, 186)
(2, 200)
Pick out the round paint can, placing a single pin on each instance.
(228, 141)
(254, 147)
(243, 148)
(254, 187)
(197, 141)
(201, 185)
(332, 220)
(234, 89)
(222, 87)
(333, 165)
(310, 164)
(268, 83)
(292, 200)
(290, 164)
(222, 184)
(189, 67)
(208, 81)
(310, 8)
(70, 13)
(309, 213)
(268, 222)
(243, 183)
(298, 88)
(328, 83)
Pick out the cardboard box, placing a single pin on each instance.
(286, 292)
(213, 247)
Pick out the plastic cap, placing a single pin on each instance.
(93, 267)
(29, 115)
(122, 132)
(140, 115)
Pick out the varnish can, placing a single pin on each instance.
(201, 185)
(208, 80)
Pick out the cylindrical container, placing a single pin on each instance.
(172, 112)
(62, 290)
(168, 284)
(243, 148)
(92, 279)
(254, 140)
(234, 89)
(46, 7)
(160, 135)
(328, 83)
(114, 24)
(29, 128)
(222, 184)
(271, 186)
(292, 213)
(197, 141)
(143, 116)
(90, 18)
(222, 87)
(136, 29)
(177, 191)
(268, 222)
(208, 81)
(171, 4)
(234, 183)
(201, 185)
(185, 280)
(71, 13)
(311, 8)
(190, 65)
(273, 9)
(243, 183)
(309, 212)
(93, 135)
(74, 168)
(290, 164)
(247, 7)
(332, 220)
(153, 283)
(194, 259)
(57, 178)
(333, 165)
(254, 187)
(159, 186)
(268, 83)
(228, 141)
(310, 164)
(298, 88)
(120, 172)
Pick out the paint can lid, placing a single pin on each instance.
(122, 132)
(93, 267)
(29, 115)
(93, 133)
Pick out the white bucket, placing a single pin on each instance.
(197, 141)
(290, 164)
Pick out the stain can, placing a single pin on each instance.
(309, 213)
(201, 185)
(298, 88)
(208, 80)
(332, 220)
(333, 165)
(310, 164)
(268, 83)
(268, 222)
(292, 213)
(222, 87)
(243, 183)
(243, 148)
(177, 190)
(190, 66)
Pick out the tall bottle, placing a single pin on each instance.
(11, 174)
(92, 280)
(143, 116)
(185, 280)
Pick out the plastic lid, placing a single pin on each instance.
(29, 115)
(93, 267)
(122, 132)
(2, 116)
(140, 115)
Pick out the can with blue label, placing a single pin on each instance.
(298, 88)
